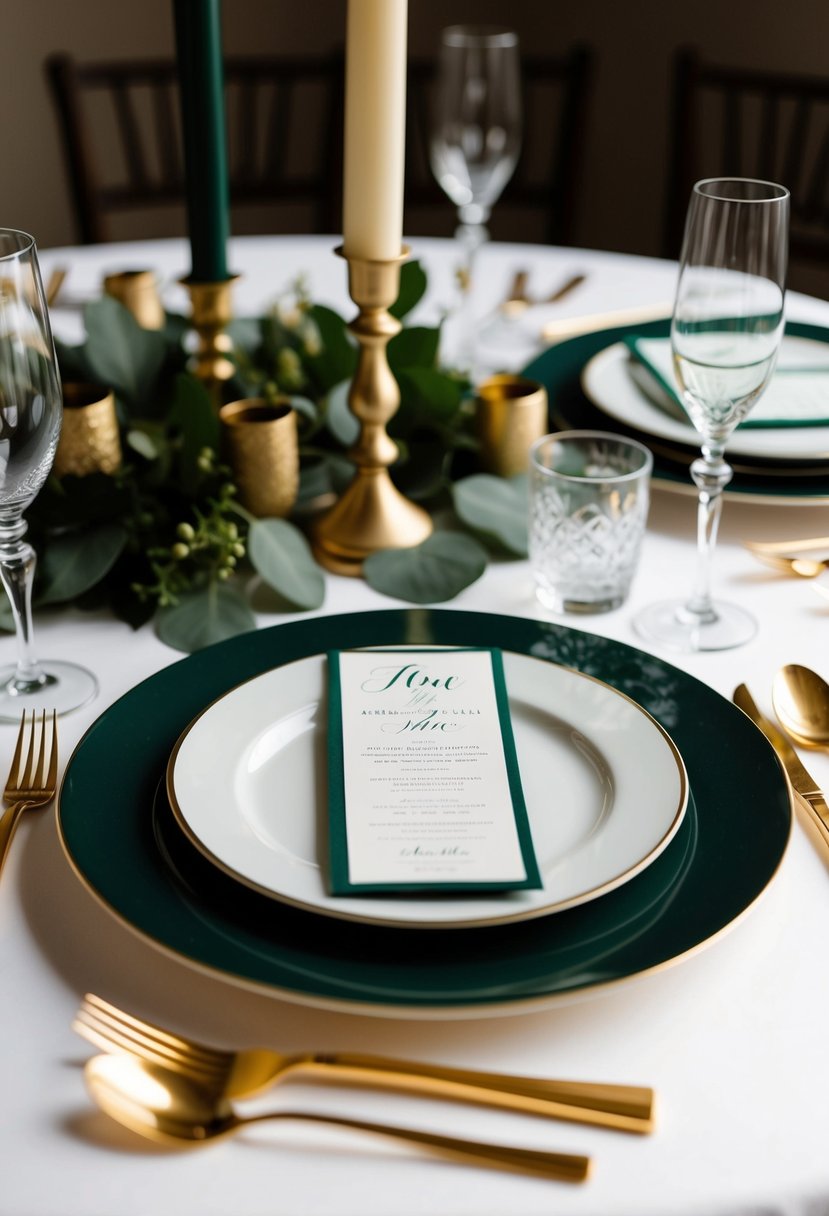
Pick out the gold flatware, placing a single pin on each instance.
(234, 1074)
(801, 701)
(808, 793)
(802, 567)
(518, 299)
(31, 784)
(571, 327)
(792, 548)
(169, 1108)
(567, 286)
(54, 285)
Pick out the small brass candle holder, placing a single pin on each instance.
(372, 514)
(511, 413)
(211, 315)
(89, 439)
(138, 292)
(261, 441)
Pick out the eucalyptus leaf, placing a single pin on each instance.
(245, 332)
(330, 472)
(431, 393)
(6, 617)
(496, 507)
(430, 573)
(120, 353)
(72, 363)
(281, 555)
(143, 443)
(415, 346)
(200, 618)
(72, 563)
(338, 357)
(412, 288)
(305, 407)
(338, 417)
(193, 412)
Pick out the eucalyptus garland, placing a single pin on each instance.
(165, 537)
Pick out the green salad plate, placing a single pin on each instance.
(129, 852)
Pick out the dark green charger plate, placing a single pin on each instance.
(560, 367)
(128, 853)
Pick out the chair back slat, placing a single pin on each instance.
(767, 150)
(164, 112)
(773, 125)
(285, 130)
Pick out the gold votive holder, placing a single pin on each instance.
(212, 313)
(262, 446)
(511, 413)
(371, 514)
(137, 291)
(89, 438)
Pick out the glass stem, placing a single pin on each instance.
(470, 235)
(711, 475)
(17, 572)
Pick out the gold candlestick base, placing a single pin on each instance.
(211, 315)
(372, 514)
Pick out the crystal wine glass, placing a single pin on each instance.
(725, 335)
(476, 138)
(30, 419)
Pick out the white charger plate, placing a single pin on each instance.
(607, 382)
(605, 789)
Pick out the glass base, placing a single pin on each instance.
(65, 688)
(670, 624)
(563, 602)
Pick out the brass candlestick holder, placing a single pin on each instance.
(372, 514)
(211, 315)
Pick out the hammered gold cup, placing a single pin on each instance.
(511, 414)
(261, 441)
(89, 438)
(138, 292)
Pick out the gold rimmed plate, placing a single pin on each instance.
(146, 873)
(605, 789)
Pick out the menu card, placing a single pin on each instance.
(797, 394)
(424, 788)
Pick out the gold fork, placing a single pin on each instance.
(239, 1073)
(33, 787)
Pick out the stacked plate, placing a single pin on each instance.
(594, 383)
(651, 839)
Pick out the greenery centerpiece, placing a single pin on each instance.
(165, 536)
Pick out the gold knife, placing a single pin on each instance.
(808, 793)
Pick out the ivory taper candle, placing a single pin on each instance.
(375, 129)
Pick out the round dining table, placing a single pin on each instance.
(732, 1037)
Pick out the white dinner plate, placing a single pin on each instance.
(605, 789)
(608, 383)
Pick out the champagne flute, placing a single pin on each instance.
(476, 139)
(725, 335)
(30, 419)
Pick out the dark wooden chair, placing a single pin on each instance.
(121, 137)
(737, 122)
(544, 188)
(120, 130)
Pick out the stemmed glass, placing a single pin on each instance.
(725, 334)
(476, 138)
(30, 420)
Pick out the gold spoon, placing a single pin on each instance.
(169, 1108)
(804, 567)
(801, 702)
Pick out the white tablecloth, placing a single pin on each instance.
(733, 1038)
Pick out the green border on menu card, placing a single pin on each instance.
(338, 834)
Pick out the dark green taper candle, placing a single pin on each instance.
(201, 90)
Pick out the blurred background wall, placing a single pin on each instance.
(623, 181)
